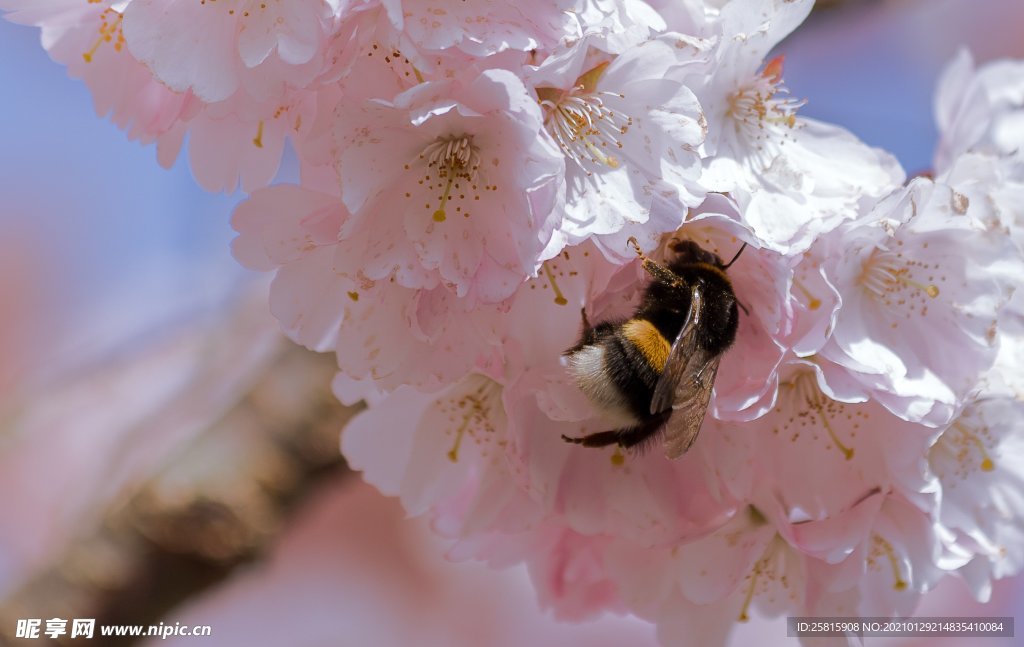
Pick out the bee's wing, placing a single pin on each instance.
(688, 411)
(685, 359)
(685, 384)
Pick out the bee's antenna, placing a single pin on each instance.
(632, 242)
(734, 258)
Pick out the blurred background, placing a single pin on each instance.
(165, 455)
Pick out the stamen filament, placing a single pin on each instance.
(763, 116)
(107, 32)
(581, 123)
(900, 584)
(88, 54)
(813, 303)
(847, 451)
(453, 453)
(883, 270)
(930, 290)
(451, 159)
(559, 297)
(806, 389)
(744, 615)
(258, 140)
(440, 214)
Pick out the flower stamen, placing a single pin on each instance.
(987, 464)
(453, 453)
(806, 390)
(108, 31)
(580, 122)
(813, 303)
(885, 274)
(847, 451)
(257, 141)
(744, 610)
(474, 408)
(455, 159)
(900, 584)
(761, 116)
(559, 297)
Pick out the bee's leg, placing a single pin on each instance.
(658, 272)
(628, 437)
(600, 439)
(643, 432)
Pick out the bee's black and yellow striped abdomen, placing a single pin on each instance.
(637, 358)
(649, 341)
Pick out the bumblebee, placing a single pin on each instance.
(642, 383)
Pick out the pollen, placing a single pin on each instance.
(452, 163)
(587, 130)
(109, 32)
(405, 73)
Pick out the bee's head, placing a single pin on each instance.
(687, 251)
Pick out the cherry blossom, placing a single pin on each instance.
(207, 46)
(467, 185)
(917, 277)
(238, 141)
(629, 134)
(380, 330)
(792, 177)
(480, 27)
(981, 485)
(979, 110)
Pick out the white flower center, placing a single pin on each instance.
(586, 129)
(893, 280)
(763, 114)
(452, 164)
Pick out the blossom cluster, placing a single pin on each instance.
(471, 173)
